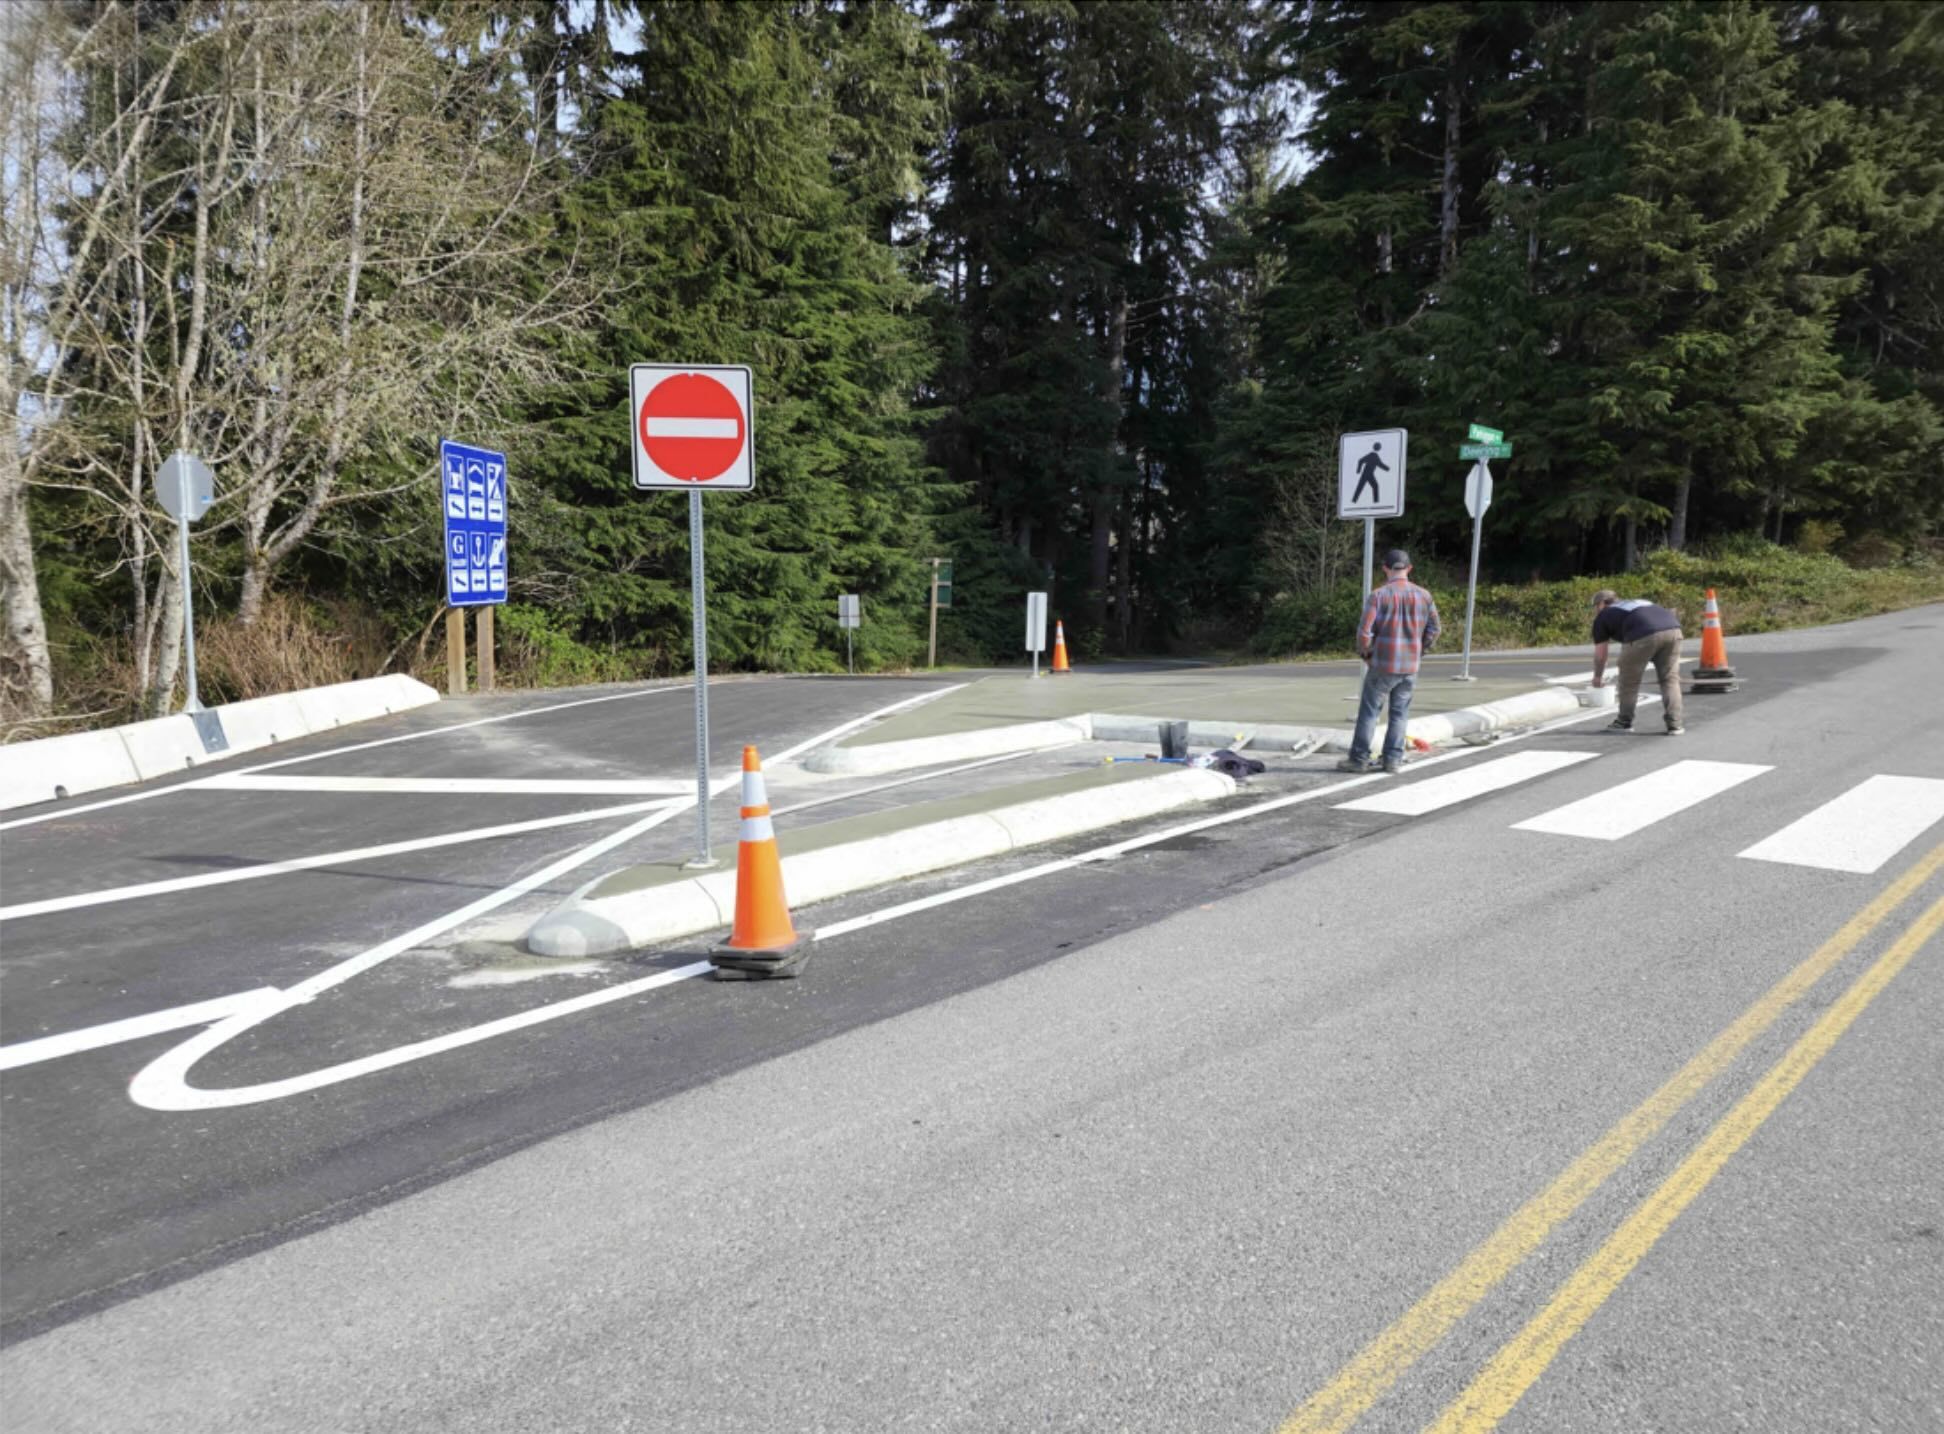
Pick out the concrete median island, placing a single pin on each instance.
(1292, 708)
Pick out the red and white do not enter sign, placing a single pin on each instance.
(692, 426)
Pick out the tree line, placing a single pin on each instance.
(1077, 295)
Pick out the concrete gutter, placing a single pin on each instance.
(640, 906)
(55, 767)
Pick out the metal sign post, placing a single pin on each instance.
(186, 487)
(1036, 627)
(694, 427)
(850, 616)
(1478, 497)
(1370, 551)
(699, 611)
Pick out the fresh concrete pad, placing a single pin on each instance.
(641, 905)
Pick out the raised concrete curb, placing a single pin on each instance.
(1523, 710)
(1261, 736)
(873, 759)
(56, 767)
(592, 924)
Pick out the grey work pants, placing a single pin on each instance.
(1663, 649)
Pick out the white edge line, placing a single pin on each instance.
(47, 1048)
(346, 857)
(66, 811)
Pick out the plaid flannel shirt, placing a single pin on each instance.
(1399, 621)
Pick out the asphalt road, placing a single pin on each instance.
(1194, 1138)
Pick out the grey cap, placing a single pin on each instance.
(1396, 558)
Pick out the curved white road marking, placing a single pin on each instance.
(135, 1028)
(163, 1084)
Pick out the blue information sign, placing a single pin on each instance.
(475, 524)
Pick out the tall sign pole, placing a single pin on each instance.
(694, 429)
(1485, 445)
(186, 487)
(931, 659)
(699, 619)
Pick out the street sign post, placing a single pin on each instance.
(694, 428)
(1036, 627)
(1493, 449)
(1370, 482)
(941, 596)
(474, 484)
(186, 488)
(1479, 433)
(850, 617)
(1478, 497)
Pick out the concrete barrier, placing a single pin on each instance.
(625, 910)
(49, 769)
(1523, 710)
(56, 767)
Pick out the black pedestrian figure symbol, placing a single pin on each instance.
(1367, 467)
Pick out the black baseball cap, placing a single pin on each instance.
(1396, 558)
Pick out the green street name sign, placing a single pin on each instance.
(1481, 434)
(1484, 450)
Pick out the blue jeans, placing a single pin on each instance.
(1398, 686)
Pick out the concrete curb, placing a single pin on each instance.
(56, 767)
(876, 758)
(590, 925)
(1262, 736)
(1522, 710)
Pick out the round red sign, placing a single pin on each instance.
(692, 427)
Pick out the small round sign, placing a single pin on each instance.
(692, 427)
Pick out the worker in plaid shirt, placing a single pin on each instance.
(1399, 621)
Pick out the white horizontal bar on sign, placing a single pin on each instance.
(694, 428)
(1435, 792)
(1860, 830)
(451, 786)
(1632, 806)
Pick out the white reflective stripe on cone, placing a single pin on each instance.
(754, 793)
(758, 829)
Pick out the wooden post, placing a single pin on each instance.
(455, 652)
(484, 638)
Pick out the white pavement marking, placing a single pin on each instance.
(1433, 793)
(449, 786)
(163, 1084)
(135, 1028)
(1860, 830)
(56, 813)
(1623, 810)
(322, 859)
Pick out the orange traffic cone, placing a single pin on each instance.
(1714, 674)
(762, 940)
(1059, 648)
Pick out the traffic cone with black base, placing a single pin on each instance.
(1059, 647)
(762, 944)
(1714, 674)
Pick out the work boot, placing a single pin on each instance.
(1393, 766)
(1351, 764)
(1675, 729)
(1619, 724)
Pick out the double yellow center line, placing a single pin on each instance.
(1504, 1380)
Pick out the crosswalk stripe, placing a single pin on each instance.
(1417, 798)
(1623, 810)
(1860, 830)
